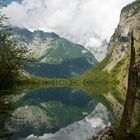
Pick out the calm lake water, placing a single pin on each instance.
(58, 114)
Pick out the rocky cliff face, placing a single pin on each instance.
(119, 47)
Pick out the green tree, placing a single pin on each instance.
(12, 56)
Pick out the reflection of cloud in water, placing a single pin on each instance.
(80, 130)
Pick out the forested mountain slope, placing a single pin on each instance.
(55, 57)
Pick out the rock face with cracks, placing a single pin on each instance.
(119, 46)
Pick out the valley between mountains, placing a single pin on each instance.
(64, 92)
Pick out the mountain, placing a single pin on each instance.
(48, 110)
(55, 57)
(94, 122)
(118, 56)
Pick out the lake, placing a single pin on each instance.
(59, 114)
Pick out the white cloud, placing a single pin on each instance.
(98, 47)
(94, 42)
(92, 123)
(77, 20)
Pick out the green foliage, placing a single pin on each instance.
(6, 106)
(136, 132)
(133, 7)
(12, 57)
(117, 68)
(121, 134)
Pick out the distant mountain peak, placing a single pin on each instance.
(54, 56)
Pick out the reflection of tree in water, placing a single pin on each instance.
(6, 107)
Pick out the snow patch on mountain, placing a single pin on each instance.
(84, 51)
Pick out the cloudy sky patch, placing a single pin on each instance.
(77, 20)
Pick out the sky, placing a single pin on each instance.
(6, 2)
(87, 22)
